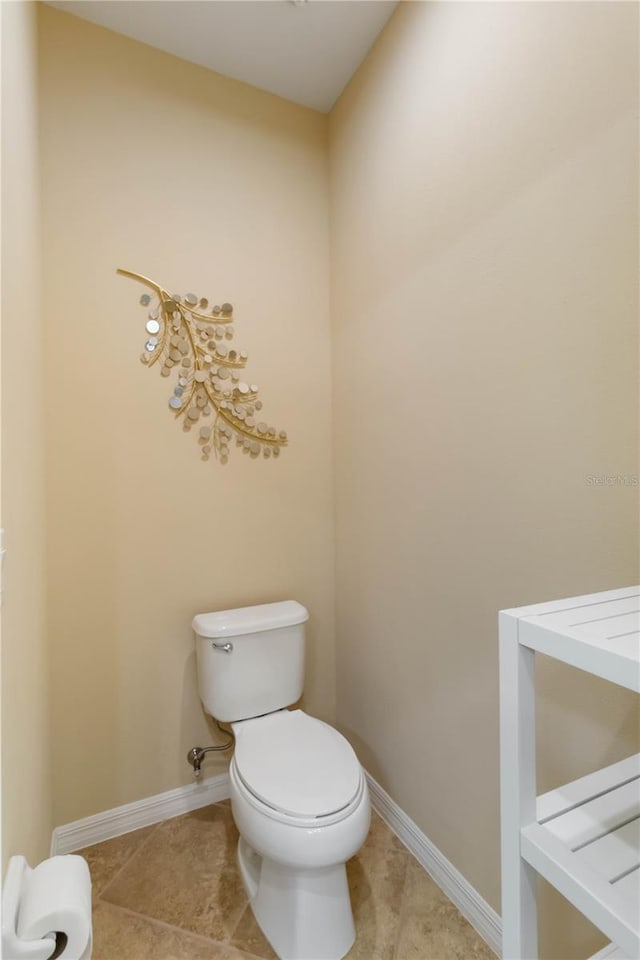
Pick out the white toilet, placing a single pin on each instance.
(298, 793)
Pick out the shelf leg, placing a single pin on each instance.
(517, 792)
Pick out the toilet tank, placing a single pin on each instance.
(251, 659)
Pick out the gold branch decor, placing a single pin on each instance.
(187, 337)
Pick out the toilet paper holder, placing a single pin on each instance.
(47, 943)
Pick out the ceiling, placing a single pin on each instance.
(302, 50)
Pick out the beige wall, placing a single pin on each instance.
(203, 183)
(26, 795)
(483, 180)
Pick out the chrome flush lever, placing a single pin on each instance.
(223, 647)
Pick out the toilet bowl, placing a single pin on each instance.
(299, 796)
(300, 802)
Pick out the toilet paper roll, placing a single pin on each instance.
(57, 898)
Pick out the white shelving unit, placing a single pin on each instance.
(583, 838)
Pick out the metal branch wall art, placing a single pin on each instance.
(184, 333)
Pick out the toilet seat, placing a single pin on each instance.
(296, 765)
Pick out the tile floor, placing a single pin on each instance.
(172, 892)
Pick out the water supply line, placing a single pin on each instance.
(195, 756)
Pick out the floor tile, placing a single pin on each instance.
(249, 937)
(376, 882)
(173, 892)
(187, 876)
(120, 935)
(431, 927)
(107, 858)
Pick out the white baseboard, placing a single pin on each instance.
(140, 813)
(466, 898)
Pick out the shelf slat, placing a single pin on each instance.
(613, 911)
(610, 952)
(598, 633)
(598, 817)
(617, 659)
(571, 795)
(615, 854)
(592, 612)
(573, 603)
(619, 625)
(629, 887)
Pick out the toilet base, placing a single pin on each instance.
(304, 914)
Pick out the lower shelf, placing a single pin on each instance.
(586, 842)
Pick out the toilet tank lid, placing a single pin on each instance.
(263, 616)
